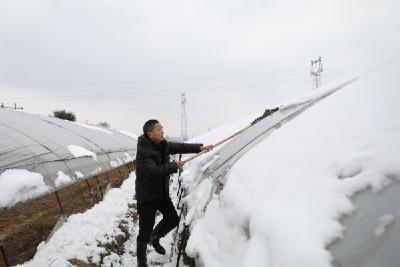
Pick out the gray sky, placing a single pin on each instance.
(127, 61)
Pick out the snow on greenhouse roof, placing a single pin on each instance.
(49, 146)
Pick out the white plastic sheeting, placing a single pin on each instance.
(41, 144)
(372, 236)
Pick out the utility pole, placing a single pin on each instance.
(315, 72)
(14, 107)
(184, 134)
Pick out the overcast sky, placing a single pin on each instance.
(128, 61)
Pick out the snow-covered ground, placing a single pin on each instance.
(81, 236)
(282, 200)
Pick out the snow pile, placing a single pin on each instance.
(127, 158)
(78, 151)
(62, 179)
(116, 163)
(79, 175)
(19, 185)
(282, 200)
(96, 171)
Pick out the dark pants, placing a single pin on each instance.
(147, 215)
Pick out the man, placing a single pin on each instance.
(153, 168)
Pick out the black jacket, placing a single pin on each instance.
(153, 166)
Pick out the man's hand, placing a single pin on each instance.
(179, 164)
(206, 148)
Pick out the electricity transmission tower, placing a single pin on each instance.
(183, 118)
(315, 72)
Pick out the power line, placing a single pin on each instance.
(90, 84)
(164, 91)
(155, 104)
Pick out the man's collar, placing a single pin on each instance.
(161, 144)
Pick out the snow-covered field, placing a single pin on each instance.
(282, 200)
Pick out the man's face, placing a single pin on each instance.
(157, 135)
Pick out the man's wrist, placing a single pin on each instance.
(200, 147)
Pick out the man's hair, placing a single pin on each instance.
(149, 126)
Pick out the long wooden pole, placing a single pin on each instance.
(217, 144)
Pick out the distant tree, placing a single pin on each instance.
(64, 115)
(104, 124)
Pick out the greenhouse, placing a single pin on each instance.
(41, 154)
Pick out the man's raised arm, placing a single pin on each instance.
(184, 148)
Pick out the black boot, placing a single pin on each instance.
(155, 238)
(141, 253)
